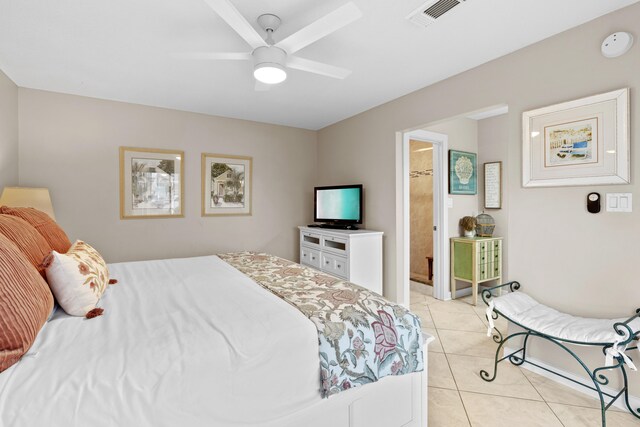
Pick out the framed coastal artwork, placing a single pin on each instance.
(151, 183)
(580, 142)
(463, 172)
(226, 184)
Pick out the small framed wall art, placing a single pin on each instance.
(463, 172)
(580, 142)
(151, 183)
(493, 185)
(226, 185)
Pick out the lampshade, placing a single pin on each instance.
(26, 197)
(270, 73)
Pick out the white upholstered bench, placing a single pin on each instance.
(618, 339)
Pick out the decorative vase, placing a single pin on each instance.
(469, 233)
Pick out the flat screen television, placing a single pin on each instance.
(338, 206)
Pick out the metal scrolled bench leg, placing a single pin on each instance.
(484, 374)
(616, 353)
(635, 412)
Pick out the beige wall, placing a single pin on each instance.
(493, 134)
(575, 261)
(8, 132)
(421, 209)
(462, 135)
(70, 144)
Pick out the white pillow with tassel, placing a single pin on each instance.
(78, 279)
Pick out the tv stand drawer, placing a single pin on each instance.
(335, 265)
(334, 244)
(312, 240)
(310, 257)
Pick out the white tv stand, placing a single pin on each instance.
(352, 255)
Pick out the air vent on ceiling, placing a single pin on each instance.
(427, 13)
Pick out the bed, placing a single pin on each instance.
(192, 342)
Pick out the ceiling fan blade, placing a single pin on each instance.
(261, 87)
(320, 28)
(230, 14)
(229, 56)
(317, 67)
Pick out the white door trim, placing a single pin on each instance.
(441, 289)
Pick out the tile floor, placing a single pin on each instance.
(517, 397)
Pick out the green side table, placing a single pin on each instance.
(475, 260)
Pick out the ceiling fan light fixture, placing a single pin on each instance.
(270, 73)
(269, 65)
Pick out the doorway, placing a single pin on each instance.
(440, 254)
(421, 214)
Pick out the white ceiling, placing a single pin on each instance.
(126, 50)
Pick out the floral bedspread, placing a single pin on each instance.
(362, 337)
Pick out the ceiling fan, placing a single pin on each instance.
(271, 60)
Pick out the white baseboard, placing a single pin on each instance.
(463, 292)
(633, 400)
(467, 291)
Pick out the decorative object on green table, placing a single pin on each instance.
(485, 224)
(468, 224)
(463, 172)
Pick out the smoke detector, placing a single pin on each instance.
(431, 11)
(617, 44)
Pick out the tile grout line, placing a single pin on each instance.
(542, 397)
(435, 328)
(506, 397)
(466, 413)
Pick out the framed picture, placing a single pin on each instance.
(151, 183)
(463, 172)
(581, 142)
(493, 185)
(226, 185)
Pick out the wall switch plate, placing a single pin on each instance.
(449, 202)
(619, 202)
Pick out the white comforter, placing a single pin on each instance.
(183, 342)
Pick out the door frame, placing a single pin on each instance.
(440, 143)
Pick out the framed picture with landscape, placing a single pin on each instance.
(580, 142)
(151, 183)
(226, 185)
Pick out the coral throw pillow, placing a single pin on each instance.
(25, 303)
(78, 278)
(47, 227)
(27, 239)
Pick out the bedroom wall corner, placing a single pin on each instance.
(8, 132)
(70, 144)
